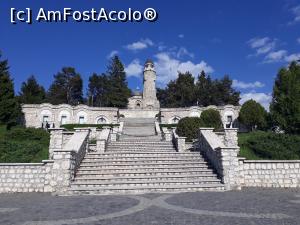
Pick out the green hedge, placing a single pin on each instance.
(23, 145)
(169, 126)
(188, 127)
(269, 145)
(74, 125)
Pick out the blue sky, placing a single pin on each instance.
(249, 40)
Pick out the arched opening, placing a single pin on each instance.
(175, 119)
(101, 120)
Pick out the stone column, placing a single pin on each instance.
(167, 135)
(56, 140)
(230, 137)
(63, 170)
(180, 144)
(230, 167)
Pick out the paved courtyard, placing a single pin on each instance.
(249, 206)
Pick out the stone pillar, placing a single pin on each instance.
(230, 167)
(48, 176)
(56, 140)
(180, 144)
(167, 135)
(100, 145)
(230, 137)
(62, 171)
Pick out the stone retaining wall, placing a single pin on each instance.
(269, 173)
(25, 177)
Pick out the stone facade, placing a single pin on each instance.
(229, 114)
(148, 100)
(39, 114)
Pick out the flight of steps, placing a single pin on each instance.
(140, 164)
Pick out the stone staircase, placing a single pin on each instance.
(141, 163)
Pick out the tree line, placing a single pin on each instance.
(185, 92)
(110, 89)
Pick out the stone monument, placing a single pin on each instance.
(148, 100)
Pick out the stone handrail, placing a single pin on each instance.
(103, 139)
(79, 145)
(222, 154)
(67, 157)
(179, 142)
(157, 128)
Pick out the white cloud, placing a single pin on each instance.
(281, 56)
(263, 98)
(181, 35)
(262, 45)
(296, 15)
(139, 45)
(134, 69)
(292, 57)
(167, 67)
(298, 40)
(182, 51)
(112, 53)
(244, 85)
(275, 56)
(258, 42)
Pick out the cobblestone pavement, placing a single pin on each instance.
(249, 206)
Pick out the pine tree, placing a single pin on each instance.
(10, 110)
(98, 90)
(118, 91)
(285, 105)
(203, 90)
(32, 92)
(66, 88)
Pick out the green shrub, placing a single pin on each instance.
(211, 118)
(188, 127)
(268, 145)
(169, 126)
(74, 125)
(23, 145)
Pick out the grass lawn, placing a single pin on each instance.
(245, 150)
(268, 145)
(23, 145)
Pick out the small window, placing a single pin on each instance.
(45, 119)
(81, 119)
(63, 119)
(229, 119)
(229, 122)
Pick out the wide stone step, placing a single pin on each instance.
(138, 168)
(138, 158)
(88, 172)
(146, 189)
(136, 182)
(150, 176)
(157, 164)
(141, 144)
(142, 154)
(141, 161)
(141, 147)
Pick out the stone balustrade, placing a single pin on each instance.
(222, 157)
(179, 142)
